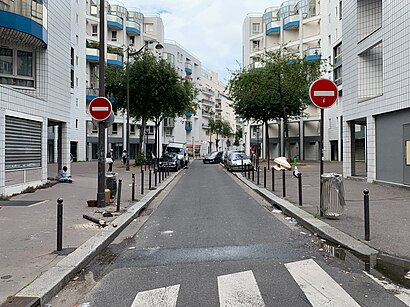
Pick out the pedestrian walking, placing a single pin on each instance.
(124, 156)
(110, 160)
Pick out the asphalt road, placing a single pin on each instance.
(211, 242)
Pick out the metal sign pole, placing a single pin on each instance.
(322, 117)
(101, 126)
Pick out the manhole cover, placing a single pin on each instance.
(20, 203)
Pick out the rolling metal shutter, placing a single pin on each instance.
(23, 143)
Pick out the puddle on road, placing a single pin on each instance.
(384, 266)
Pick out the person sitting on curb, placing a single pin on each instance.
(63, 176)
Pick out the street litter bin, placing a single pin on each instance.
(111, 183)
(333, 195)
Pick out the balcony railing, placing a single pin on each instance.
(114, 22)
(273, 27)
(206, 114)
(27, 8)
(312, 53)
(208, 102)
(188, 68)
(133, 27)
(291, 22)
(114, 59)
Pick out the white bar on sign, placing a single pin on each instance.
(324, 93)
(99, 108)
(319, 288)
(239, 290)
(161, 297)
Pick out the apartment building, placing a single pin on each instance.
(214, 104)
(376, 104)
(36, 93)
(292, 27)
(125, 29)
(185, 129)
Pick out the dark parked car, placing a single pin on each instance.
(169, 160)
(213, 157)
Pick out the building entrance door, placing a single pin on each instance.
(406, 139)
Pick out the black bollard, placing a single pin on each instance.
(133, 187)
(257, 175)
(163, 173)
(149, 179)
(242, 167)
(264, 177)
(253, 175)
(155, 176)
(119, 195)
(283, 183)
(273, 179)
(142, 181)
(299, 176)
(366, 216)
(59, 224)
(159, 174)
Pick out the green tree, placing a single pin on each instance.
(155, 91)
(238, 136)
(278, 90)
(219, 127)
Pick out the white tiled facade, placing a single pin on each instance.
(376, 71)
(45, 104)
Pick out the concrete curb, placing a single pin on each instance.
(315, 225)
(53, 280)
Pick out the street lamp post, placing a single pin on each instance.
(130, 54)
(257, 146)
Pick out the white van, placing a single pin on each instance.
(180, 150)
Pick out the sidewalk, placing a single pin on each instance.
(389, 206)
(28, 233)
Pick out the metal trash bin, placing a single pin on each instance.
(111, 183)
(333, 195)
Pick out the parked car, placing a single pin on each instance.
(180, 150)
(213, 157)
(235, 161)
(225, 155)
(169, 160)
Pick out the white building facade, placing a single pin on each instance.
(376, 104)
(36, 39)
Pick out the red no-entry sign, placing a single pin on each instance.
(323, 93)
(100, 108)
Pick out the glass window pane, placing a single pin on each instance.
(6, 61)
(24, 63)
(407, 152)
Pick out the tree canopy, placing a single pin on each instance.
(277, 90)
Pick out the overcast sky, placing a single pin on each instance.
(210, 29)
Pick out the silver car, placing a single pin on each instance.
(237, 161)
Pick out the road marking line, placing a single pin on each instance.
(239, 290)
(319, 288)
(99, 108)
(161, 297)
(324, 93)
(39, 203)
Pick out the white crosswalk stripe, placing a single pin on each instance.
(239, 290)
(319, 288)
(161, 297)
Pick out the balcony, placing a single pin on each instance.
(312, 54)
(206, 114)
(92, 93)
(207, 102)
(256, 65)
(218, 107)
(114, 59)
(291, 22)
(133, 27)
(114, 22)
(188, 125)
(93, 55)
(273, 27)
(25, 22)
(208, 91)
(188, 68)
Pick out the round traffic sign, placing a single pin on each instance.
(323, 93)
(100, 108)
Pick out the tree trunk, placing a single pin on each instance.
(141, 136)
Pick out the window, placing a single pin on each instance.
(76, 102)
(255, 28)
(94, 128)
(16, 67)
(132, 40)
(76, 124)
(255, 45)
(340, 10)
(94, 31)
(72, 67)
(148, 27)
(114, 36)
(114, 128)
(132, 129)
